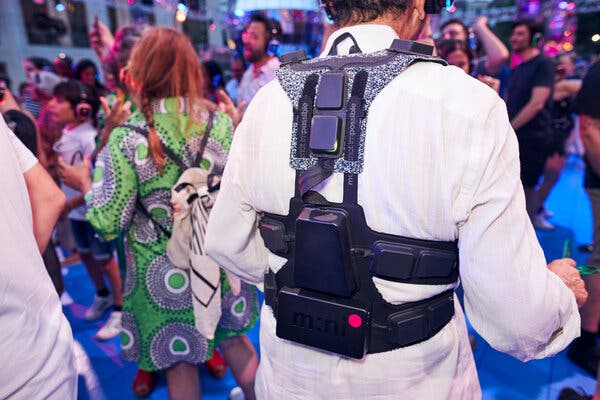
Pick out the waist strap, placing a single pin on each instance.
(388, 327)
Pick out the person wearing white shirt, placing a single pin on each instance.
(74, 104)
(438, 165)
(256, 39)
(36, 342)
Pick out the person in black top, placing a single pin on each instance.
(22, 124)
(584, 351)
(563, 121)
(529, 103)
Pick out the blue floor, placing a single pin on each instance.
(104, 375)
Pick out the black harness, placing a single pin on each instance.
(324, 296)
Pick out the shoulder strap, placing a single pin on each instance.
(209, 126)
(161, 229)
(144, 132)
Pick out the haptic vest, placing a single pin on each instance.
(324, 296)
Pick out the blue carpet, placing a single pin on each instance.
(104, 375)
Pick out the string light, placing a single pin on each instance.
(596, 37)
(182, 12)
(59, 6)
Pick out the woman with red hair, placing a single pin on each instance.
(131, 189)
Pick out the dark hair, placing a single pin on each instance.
(67, 60)
(74, 91)
(82, 65)
(447, 46)
(271, 29)
(215, 74)
(345, 12)
(4, 78)
(455, 21)
(533, 26)
(22, 86)
(557, 58)
(41, 63)
(125, 39)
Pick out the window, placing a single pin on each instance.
(124, 14)
(48, 26)
(197, 31)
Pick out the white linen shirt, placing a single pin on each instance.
(441, 163)
(36, 343)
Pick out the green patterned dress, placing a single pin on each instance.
(158, 319)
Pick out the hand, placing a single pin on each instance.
(101, 38)
(566, 271)
(226, 106)
(77, 177)
(114, 116)
(491, 82)
(481, 23)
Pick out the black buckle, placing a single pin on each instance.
(270, 289)
(274, 235)
(421, 321)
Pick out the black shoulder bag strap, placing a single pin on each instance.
(171, 155)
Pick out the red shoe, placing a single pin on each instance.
(217, 366)
(143, 383)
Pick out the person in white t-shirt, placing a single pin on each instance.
(36, 342)
(74, 104)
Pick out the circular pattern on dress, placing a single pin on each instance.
(237, 310)
(130, 337)
(177, 342)
(142, 154)
(135, 148)
(166, 285)
(129, 283)
(144, 230)
(104, 179)
(178, 281)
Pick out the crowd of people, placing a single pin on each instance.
(117, 146)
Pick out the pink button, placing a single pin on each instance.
(354, 320)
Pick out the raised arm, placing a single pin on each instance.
(566, 88)
(497, 53)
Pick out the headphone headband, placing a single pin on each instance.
(83, 109)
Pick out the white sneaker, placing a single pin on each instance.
(111, 328)
(98, 307)
(541, 223)
(66, 299)
(236, 394)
